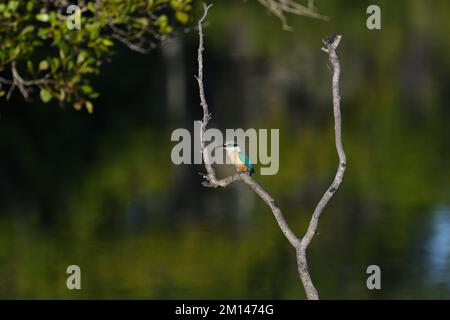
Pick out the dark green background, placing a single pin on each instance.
(100, 190)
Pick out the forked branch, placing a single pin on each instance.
(280, 8)
(300, 244)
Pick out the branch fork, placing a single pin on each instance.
(299, 243)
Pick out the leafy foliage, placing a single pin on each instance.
(42, 48)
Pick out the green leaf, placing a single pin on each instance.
(89, 106)
(46, 96)
(27, 29)
(30, 5)
(91, 7)
(13, 5)
(54, 64)
(42, 17)
(86, 89)
(43, 65)
(94, 95)
(81, 56)
(43, 33)
(181, 16)
(30, 68)
(107, 42)
(78, 105)
(62, 95)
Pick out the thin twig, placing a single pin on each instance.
(280, 7)
(20, 80)
(131, 45)
(124, 37)
(300, 244)
(5, 81)
(23, 84)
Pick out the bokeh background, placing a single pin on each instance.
(100, 190)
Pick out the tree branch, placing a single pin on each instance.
(266, 197)
(131, 45)
(331, 43)
(123, 37)
(210, 172)
(210, 176)
(22, 84)
(280, 7)
(300, 244)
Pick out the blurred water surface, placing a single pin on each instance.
(101, 192)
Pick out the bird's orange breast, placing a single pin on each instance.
(241, 167)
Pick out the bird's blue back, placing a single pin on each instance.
(245, 159)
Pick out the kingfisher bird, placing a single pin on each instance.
(240, 160)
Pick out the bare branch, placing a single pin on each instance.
(331, 44)
(10, 91)
(124, 37)
(5, 81)
(131, 45)
(210, 172)
(300, 244)
(210, 176)
(266, 197)
(330, 48)
(20, 80)
(22, 84)
(214, 183)
(280, 7)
